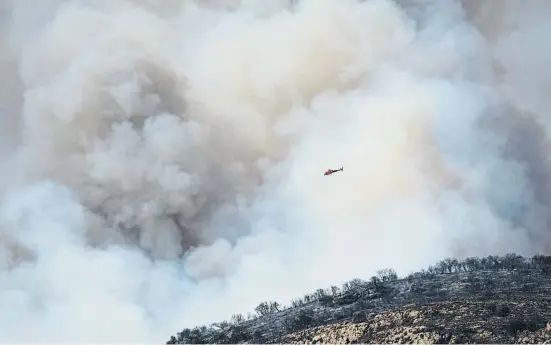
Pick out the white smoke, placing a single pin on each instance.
(169, 158)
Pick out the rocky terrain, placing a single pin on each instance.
(478, 300)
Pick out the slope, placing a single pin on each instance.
(496, 299)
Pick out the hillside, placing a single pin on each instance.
(478, 300)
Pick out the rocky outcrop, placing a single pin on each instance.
(501, 319)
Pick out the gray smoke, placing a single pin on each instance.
(163, 160)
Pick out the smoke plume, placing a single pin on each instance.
(163, 160)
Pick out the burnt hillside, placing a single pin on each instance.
(508, 294)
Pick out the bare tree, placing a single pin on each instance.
(237, 319)
(334, 290)
(274, 307)
(320, 293)
(263, 309)
(387, 275)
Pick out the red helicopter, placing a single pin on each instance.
(330, 171)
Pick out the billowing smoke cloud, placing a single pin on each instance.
(163, 160)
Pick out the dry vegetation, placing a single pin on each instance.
(478, 300)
